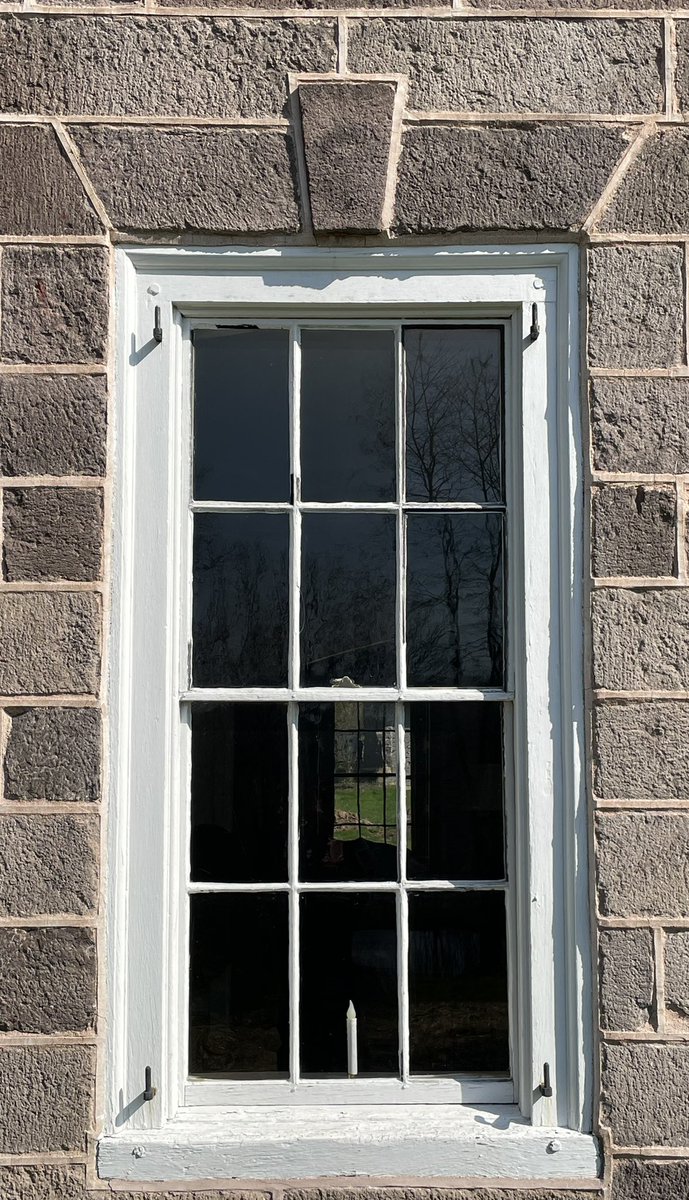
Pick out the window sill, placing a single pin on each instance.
(439, 1141)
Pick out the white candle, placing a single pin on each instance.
(352, 1052)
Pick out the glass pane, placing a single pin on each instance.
(241, 599)
(456, 792)
(454, 414)
(458, 983)
(241, 414)
(455, 600)
(239, 790)
(347, 414)
(348, 599)
(347, 791)
(348, 955)
(239, 1004)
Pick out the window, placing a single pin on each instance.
(348, 929)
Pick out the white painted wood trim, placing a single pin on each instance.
(259, 1143)
(463, 284)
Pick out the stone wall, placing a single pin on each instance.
(125, 121)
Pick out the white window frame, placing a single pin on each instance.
(204, 1130)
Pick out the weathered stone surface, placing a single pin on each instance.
(643, 864)
(434, 1193)
(52, 533)
(53, 754)
(52, 425)
(677, 979)
(54, 303)
(640, 639)
(652, 197)
(48, 980)
(516, 65)
(643, 1094)
(682, 71)
(640, 425)
(633, 531)
(347, 130)
(641, 750)
(627, 978)
(46, 1095)
(644, 1179)
(636, 306)
(219, 180)
(49, 643)
(214, 66)
(48, 864)
(43, 1183)
(503, 176)
(40, 191)
(213, 1194)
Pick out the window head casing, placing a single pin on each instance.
(321, 311)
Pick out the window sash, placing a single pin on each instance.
(457, 1086)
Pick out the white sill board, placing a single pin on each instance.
(264, 1142)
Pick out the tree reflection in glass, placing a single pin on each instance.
(454, 414)
(455, 599)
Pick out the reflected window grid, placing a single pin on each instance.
(366, 775)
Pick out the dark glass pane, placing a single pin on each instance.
(458, 983)
(456, 792)
(238, 1003)
(239, 789)
(347, 414)
(241, 414)
(241, 599)
(347, 791)
(348, 954)
(348, 599)
(455, 600)
(454, 414)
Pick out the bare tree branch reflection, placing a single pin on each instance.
(454, 419)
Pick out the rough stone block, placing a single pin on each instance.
(682, 71)
(640, 639)
(49, 643)
(218, 180)
(48, 980)
(643, 864)
(627, 978)
(677, 979)
(53, 754)
(512, 176)
(158, 65)
(40, 191)
(643, 1094)
(52, 424)
(640, 425)
(516, 65)
(347, 131)
(653, 197)
(644, 1179)
(436, 1193)
(48, 864)
(43, 1183)
(636, 306)
(633, 531)
(641, 750)
(46, 1098)
(52, 533)
(54, 303)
